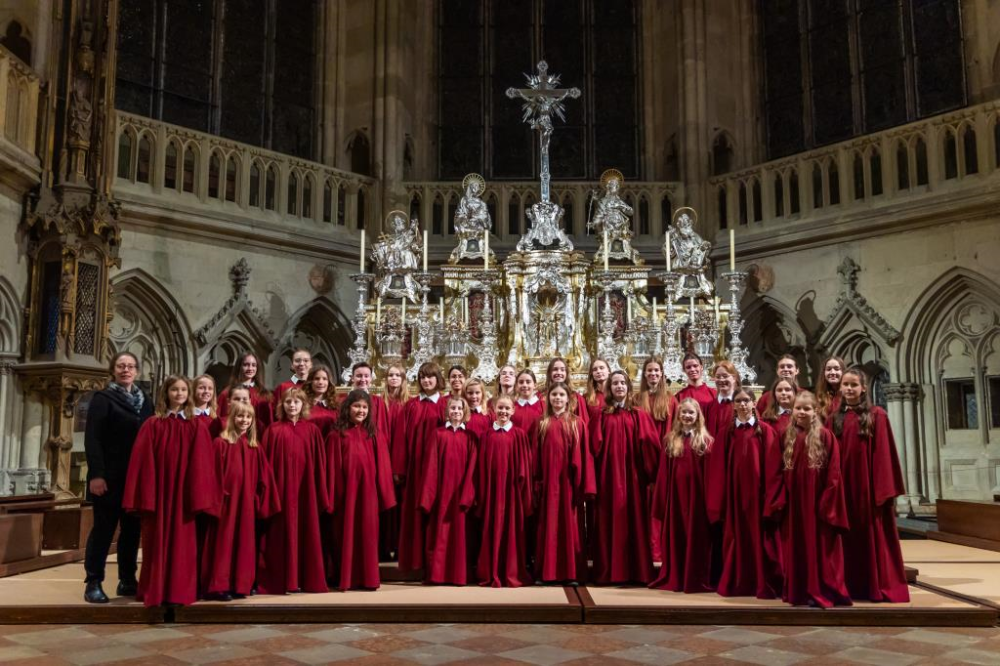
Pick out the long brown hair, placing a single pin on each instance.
(163, 397)
(231, 433)
(609, 398)
(815, 448)
(344, 422)
(513, 390)
(771, 411)
(236, 376)
(431, 369)
(279, 410)
(548, 373)
(569, 420)
(701, 440)
(826, 393)
(656, 403)
(331, 389)
(400, 395)
(593, 390)
(863, 409)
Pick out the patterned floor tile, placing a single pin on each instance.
(546, 634)
(247, 634)
(760, 654)
(342, 634)
(149, 635)
(19, 652)
(839, 637)
(284, 643)
(433, 654)
(106, 654)
(596, 644)
(739, 635)
(172, 645)
(646, 635)
(865, 655)
(949, 638)
(447, 634)
(895, 644)
(651, 654)
(543, 655)
(216, 653)
(50, 637)
(324, 654)
(493, 644)
(698, 644)
(388, 644)
(802, 645)
(973, 656)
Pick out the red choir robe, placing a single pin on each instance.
(751, 564)
(420, 419)
(447, 495)
(279, 392)
(596, 408)
(249, 493)
(780, 425)
(325, 417)
(578, 402)
(719, 417)
(213, 423)
(292, 546)
(379, 413)
(662, 429)
(561, 485)
(527, 414)
(479, 422)
(765, 399)
(626, 449)
(814, 516)
(681, 505)
(172, 476)
(872, 480)
(704, 395)
(360, 480)
(255, 399)
(388, 524)
(503, 502)
(833, 407)
(588, 516)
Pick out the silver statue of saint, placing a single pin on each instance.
(612, 216)
(689, 254)
(397, 257)
(472, 221)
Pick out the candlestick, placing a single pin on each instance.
(692, 309)
(362, 250)
(465, 311)
(666, 249)
(653, 318)
(628, 309)
(402, 316)
(606, 249)
(716, 310)
(486, 250)
(378, 311)
(425, 250)
(732, 250)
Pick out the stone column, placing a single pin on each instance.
(694, 107)
(894, 396)
(912, 396)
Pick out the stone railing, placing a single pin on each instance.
(956, 149)
(434, 203)
(218, 175)
(18, 102)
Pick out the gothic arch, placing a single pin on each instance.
(323, 328)
(10, 319)
(147, 321)
(996, 66)
(773, 329)
(359, 152)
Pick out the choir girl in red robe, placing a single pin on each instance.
(448, 493)
(682, 505)
(262, 411)
(719, 416)
(360, 480)
(813, 511)
(206, 408)
(626, 447)
(788, 368)
(560, 445)
(397, 394)
(696, 387)
(249, 493)
(321, 394)
(479, 416)
(751, 551)
(292, 548)
(872, 481)
(503, 500)
(248, 373)
(597, 386)
(778, 413)
(421, 418)
(506, 384)
(528, 407)
(457, 375)
(362, 377)
(558, 373)
(654, 397)
(301, 365)
(171, 478)
(828, 386)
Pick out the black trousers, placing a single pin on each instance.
(108, 515)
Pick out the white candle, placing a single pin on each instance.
(628, 310)
(402, 317)
(362, 250)
(692, 309)
(732, 249)
(654, 310)
(378, 311)
(666, 249)
(465, 311)
(716, 310)
(425, 250)
(486, 249)
(441, 305)
(607, 249)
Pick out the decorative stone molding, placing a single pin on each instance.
(238, 308)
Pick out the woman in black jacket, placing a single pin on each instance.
(113, 420)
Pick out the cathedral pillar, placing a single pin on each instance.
(694, 109)
(894, 397)
(912, 397)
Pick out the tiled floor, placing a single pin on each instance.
(542, 645)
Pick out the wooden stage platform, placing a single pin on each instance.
(957, 586)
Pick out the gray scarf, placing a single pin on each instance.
(135, 395)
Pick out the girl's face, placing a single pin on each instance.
(525, 386)
(507, 376)
(558, 398)
(788, 368)
(559, 373)
(688, 415)
(428, 384)
(456, 412)
(249, 368)
(240, 395)
(359, 411)
(504, 410)
(474, 395)
(785, 395)
(724, 381)
(293, 407)
(833, 372)
(394, 379)
(362, 379)
(204, 391)
(456, 379)
(744, 406)
(302, 363)
(243, 422)
(177, 394)
(619, 387)
(653, 374)
(692, 368)
(320, 383)
(804, 413)
(851, 388)
(600, 372)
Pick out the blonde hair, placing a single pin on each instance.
(466, 412)
(569, 420)
(213, 404)
(163, 397)
(593, 390)
(815, 447)
(472, 383)
(655, 403)
(279, 411)
(231, 433)
(701, 440)
(402, 394)
(503, 397)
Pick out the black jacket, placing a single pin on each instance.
(112, 426)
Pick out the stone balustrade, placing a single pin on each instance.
(434, 203)
(215, 174)
(952, 150)
(19, 87)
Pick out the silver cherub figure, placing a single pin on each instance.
(613, 216)
(472, 221)
(397, 257)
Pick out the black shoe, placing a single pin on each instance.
(95, 593)
(127, 588)
(219, 596)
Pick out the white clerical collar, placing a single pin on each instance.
(179, 414)
(456, 428)
(249, 384)
(688, 433)
(203, 412)
(620, 405)
(433, 398)
(782, 410)
(478, 409)
(296, 380)
(563, 412)
(320, 402)
(750, 422)
(530, 401)
(505, 427)
(724, 398)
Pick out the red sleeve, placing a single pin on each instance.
(648, 443)
(581, 408)
(383, 470)
(597, 434)
(204, 484)
(659, 507)
(716, 476)
(428, 494)
(321, 472)
(832, 504)
(334, 465)
(468, 494)
(140, 483)
(400, 454)
(774, 474)
(267, 502)
(887, 477)
(576, 470)
(523, 462)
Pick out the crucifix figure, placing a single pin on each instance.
(542, 98)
